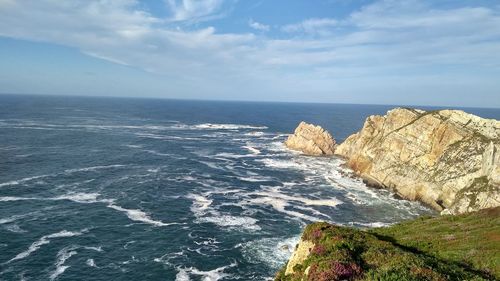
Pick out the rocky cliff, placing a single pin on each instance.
(311, 140)
(448, 159)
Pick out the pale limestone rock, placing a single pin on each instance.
(311, 140)
(304, 248)
(447, 159)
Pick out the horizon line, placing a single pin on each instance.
(243, 101)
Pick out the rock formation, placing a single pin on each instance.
(447, 159)
(311, 140)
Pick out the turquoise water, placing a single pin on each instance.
(137, 189)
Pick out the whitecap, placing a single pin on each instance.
(200, 204)
(229, 221)
(90, 262)
(211, 275)
(138, 215)
(280, 164)
(45, 240)
(201, 208)
(255, 134)
(84, 198)
(210, 126)
(62, 256)
(13, 198)
(252, 149)
(273, 252)
(23, 180)
(93, 168)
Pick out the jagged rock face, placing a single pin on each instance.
(448, 159)
(304, 248)
(311, 140)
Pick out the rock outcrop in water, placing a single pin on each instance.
(447, 159)
(311, 140)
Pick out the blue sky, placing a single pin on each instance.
(410, 52)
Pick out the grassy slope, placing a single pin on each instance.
(465, 247)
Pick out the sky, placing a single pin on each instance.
(408, 52)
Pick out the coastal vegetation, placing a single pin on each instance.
(450, 247)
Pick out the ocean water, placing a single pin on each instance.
(143, 189)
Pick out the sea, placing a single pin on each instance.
(95, 188)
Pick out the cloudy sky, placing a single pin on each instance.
(412, 52)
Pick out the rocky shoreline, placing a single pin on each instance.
(447, 159)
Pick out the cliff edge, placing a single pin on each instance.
(447, 159)
(463, 247)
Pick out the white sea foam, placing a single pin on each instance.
(200, 205)
(184, 274)
(210, 126)
(62, 256)
(138, 215)
(273, 252)
(90, 262)
(255, 134)
(23, 180)
(255, 179)
(45, 240)
(13, 198)
(201, 208)
(133, 145)
(280, 206)
(252, 149)
(93, 168)
(280, 164)
(85, 198)
(270, 193)
(228, 221)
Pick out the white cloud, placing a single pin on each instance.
(186, 10)
(314, 25)
(381, 41)
(258, 26)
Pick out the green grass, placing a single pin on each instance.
(465, 247)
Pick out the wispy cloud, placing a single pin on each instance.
(314, 25)
(193, 10)
(258, 26)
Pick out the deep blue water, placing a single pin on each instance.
(142, 189)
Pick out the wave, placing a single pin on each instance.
(233, 222)
(255, 134)
(45, 240)
(13, 198)
(252, 149)
(89, 198)
(62, 256)
(204, 213)
(93, 168)
(138, 215)
(273, 252)
(23, 180)
(211, 126)
(184, 274)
